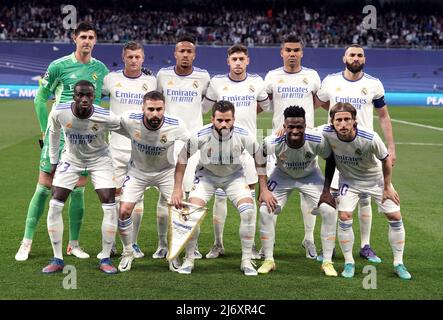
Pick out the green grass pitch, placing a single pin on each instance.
(417, 178)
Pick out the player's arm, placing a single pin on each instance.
(388, 190)
(321, 97)
(54, 140)
(180, 168)
(265, 195)
(263, 102)
(319, 103)
(329, 174)
(210, 98)
(386, 127)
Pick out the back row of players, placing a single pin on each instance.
(189, 92)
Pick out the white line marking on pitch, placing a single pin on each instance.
(417, 124)
(420, 144)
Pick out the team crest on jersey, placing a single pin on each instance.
(95, 127)
(195, 84)
(338, 89)
(69, 125)
(163, 139)
(364, 91)
(251, 88)
(94, 76)
(358, 152)
(305, 81)
(308, 155)
(333, 146)
(145, 87)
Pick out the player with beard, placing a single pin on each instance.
(365, 93)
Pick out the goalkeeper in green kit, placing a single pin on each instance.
(59, 81)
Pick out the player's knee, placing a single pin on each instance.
(125, 211)
(394, 216)
(345, 216)
(266, 217)
(247, 213)
(327, 212)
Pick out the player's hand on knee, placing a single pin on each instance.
(267, 197)
(390, 193)
(327, 197)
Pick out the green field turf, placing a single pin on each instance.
(417, 178)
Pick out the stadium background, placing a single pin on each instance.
(405, 52)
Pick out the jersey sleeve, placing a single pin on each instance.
(106, 88)
(193, 144)
(379, 95)
(206, 80)
(324, 149)
(317, 82)
(322, 92)
(379, 148)
(263, 98)
(268, 145)
(54, 137)
(210, 97)
(250, 144)
(159, 81)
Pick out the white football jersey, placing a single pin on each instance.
(152, 150)
(85, 139)
(292, 89)
(359, 159)
(221, 156)
(364, 94)
(125, 94)
(244, 95)
(184, 94)
(301, 162)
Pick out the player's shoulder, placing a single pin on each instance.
(61, 61)
(254, 77)
(98, 63)
(101, 110)
(369, 77)
(220, 77)
(309, 71)
(201, 71)
(166, 71)
(172, 120)
(328, 129)
(313, 136)
(335, 76)
(241, 130)
(365, 133)
(274, 139)
(132, 115)
(63, 106)
(205, 130)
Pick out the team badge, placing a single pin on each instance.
(163, 139)
(364, 91)
(95, 127)
(195, 84)
(283, 156)
(358, 152)
(305, 81)
(145, 87)
(94, 76)
(251, 88)
(69, 125)
(308, 155)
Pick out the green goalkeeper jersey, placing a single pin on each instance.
(60, 78)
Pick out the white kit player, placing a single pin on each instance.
(153, 135)
(365, 167)
(85, 126)
(365, 93)
(184, 87)
(246, 92)
(297, 168)
(292, 85)
(126, 89)
(221, 145)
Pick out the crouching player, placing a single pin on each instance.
(220, 143)
(365, 167)
(297, 168)
(153, 134)
(85, 126)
